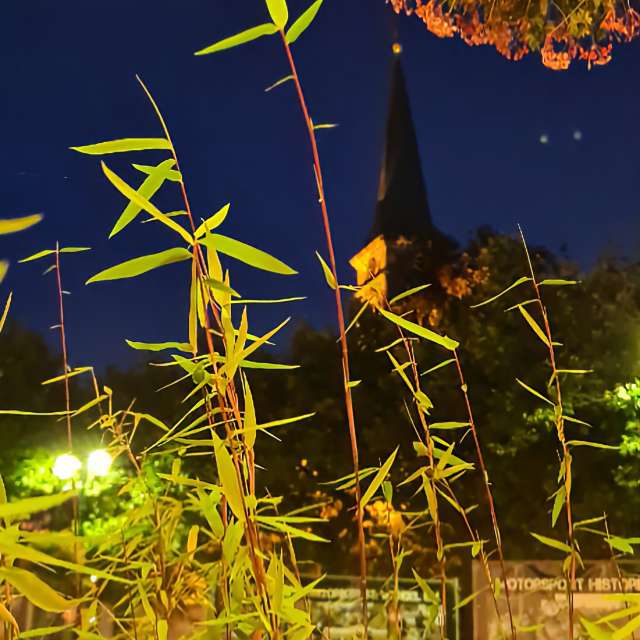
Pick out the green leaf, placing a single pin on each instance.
(328, 274)
(465, 601)
(13, 225)
(228, 477)
(278, 12)
(621, 544)
(250, 421)
(301, 24)
(168, 172)
(428, 593)
(5, 313)
(534, 325)
(143, 264)
(595, 633)
(42, 632)
(159, 346)
(216, 285)
(595, 445)
(277, 83)
(36, 591)
(247, 254)
(557, 283)
(444, 363)
(146, 190)
(27, 506)
(123, 145)
(378, 479)
(423, 332)
(408, 293)
(551, 542)
(143, 203)
(532, 391)
(49, 252)
(448, 425)
(213, 222)
(276, 301)
(558, 504)
(254, 33)
(517, 283)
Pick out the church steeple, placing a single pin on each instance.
(402, 208)
(404, 248)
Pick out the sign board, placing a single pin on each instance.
(538, 594)
(335, 608)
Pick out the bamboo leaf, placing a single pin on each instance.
(216, 285)
(27, 506)
(48, 252)
(13, 225)
(448, 425)
(551, 542)
(274, 301)
(43, 632)
(595, 633)
(36, 591)
(146, 190)
(558, 505)
(328, 274)
(247, 254)
(303, 22)
(444, 363)
(123, 145)
(378, 479)
(277, 83)
(517, 283)
(250, 421)
(557, 283)
(240, 38)
(65, 376)
(5, 313)
(167, 172)
(159, 346)
(279, 12)
(4, 268)
(406, 294)
(213, 221)
(135, 197)
(595, 445)
(228, 477)
(423, 332)
(534, 325)
(192, 538)
(143, 264)
(537, 394)
(465, 601)
(7, 616)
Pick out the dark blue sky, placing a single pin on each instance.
(68, 79)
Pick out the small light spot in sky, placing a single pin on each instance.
(544, 138)
(577, 135)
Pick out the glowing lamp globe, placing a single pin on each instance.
(99, 463)
(66, 466)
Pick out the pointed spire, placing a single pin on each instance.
(402, 207)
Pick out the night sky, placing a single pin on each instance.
(68, 79)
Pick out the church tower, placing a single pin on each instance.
(404, 249)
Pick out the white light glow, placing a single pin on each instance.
(66, 466)
(99, 462)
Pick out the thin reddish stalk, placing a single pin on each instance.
(67, 400)
(63, 342)
(251, 532)
(341, 328)
(559, 420)
(487, 487)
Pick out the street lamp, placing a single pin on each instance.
(99, 463)
(67, 466)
